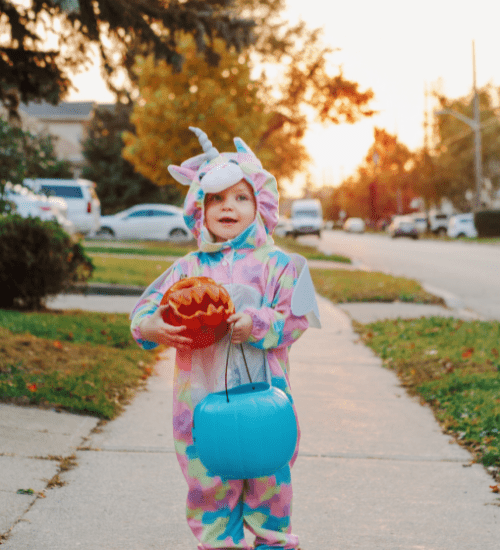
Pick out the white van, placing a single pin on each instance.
(84, 207)
(307, 217)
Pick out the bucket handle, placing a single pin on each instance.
(227, 361)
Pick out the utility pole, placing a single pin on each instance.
(475, 124)
(477, 137)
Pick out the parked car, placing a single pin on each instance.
(462, 225)
(420, 221)
(284, 227)
(84, 207)
(27, 203)
(403, 226)
(354, 225)
(307, 217)
(438, 223)
(146, 221)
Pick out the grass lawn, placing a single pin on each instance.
(310, 252)
(340, 286)
(151, 248)
(154, 248)
(127, 271)
(454, 366)
(78, 361)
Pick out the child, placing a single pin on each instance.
(232, 209)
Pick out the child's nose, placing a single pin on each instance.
(228, 203)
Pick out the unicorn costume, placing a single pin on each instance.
(263, 282)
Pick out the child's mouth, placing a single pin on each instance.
(227, 220)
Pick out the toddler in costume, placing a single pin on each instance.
(232, 209)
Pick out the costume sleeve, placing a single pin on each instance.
(148, 303)
(274, 324)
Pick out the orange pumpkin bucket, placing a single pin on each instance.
(200, 304)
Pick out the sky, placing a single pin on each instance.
(394, 47)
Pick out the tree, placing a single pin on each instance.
(453, 154)
(31, 70)
(280, 108)
(384, 183)
(222, 100)
(26, 155)
(119, 186)
(305, 87)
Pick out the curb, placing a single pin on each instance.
(104, 289)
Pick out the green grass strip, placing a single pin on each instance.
(127, 271)
(454, 366)
(341, 286)
(77, 361)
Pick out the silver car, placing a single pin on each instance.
(146, 222)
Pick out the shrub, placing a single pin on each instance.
(487, 223)
(37, 259)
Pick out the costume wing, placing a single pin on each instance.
(304, 297)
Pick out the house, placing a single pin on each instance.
(67, 122)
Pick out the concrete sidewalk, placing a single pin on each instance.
(374, 469)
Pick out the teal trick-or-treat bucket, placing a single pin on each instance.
(246, 432)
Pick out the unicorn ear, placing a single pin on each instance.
(195, 162)
(182, 174)
(241, 146)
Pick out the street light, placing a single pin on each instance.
(475, 124)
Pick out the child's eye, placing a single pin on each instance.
(215, 198)
(243, 198)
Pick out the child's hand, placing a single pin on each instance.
(242, 327)
(156, 330)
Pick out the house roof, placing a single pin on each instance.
(81, 110)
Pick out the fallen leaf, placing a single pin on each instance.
(31, 387)
(467, 353)
(494, 351)
(495, 488)
(25, 492)
(58, 344)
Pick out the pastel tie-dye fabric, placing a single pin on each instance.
(260, 279)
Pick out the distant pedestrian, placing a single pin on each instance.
(232, 209)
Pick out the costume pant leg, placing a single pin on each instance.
(214, 507)
(267, 510)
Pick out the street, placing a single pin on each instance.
(468, 270)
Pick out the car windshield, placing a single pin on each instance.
(306, 214)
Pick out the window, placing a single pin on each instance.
(64, 191)
(141, 214)
(158, 213)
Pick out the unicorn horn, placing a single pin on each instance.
(205, 143)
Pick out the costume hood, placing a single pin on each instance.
(212, 172)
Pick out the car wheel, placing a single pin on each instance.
(106, 233)
(178, 234)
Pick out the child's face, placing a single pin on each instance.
(230, 211)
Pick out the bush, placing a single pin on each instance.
(38, 259)
(487, 223)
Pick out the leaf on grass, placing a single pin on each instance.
(32, 387)
(467, 353)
